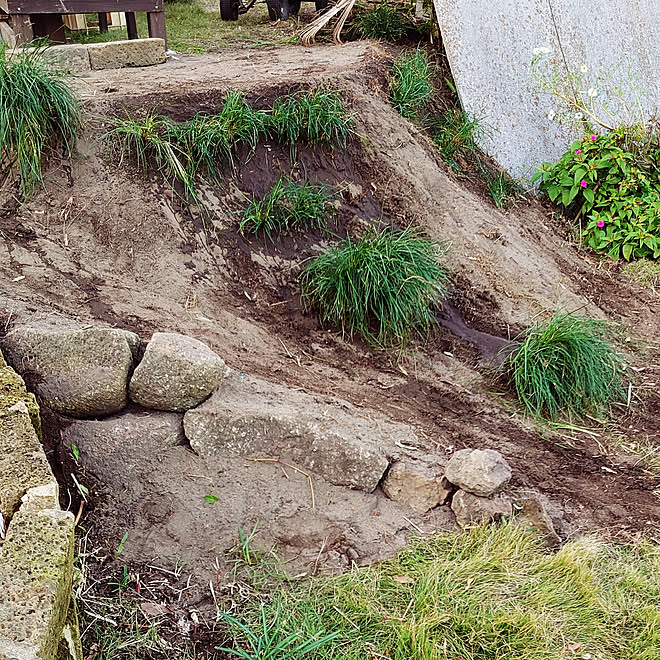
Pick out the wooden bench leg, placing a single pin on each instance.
(103, 22)
(22, 27)
(156, 23)
(131, 25)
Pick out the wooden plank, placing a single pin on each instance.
(22, 28)
(156, 25)
(131, 25)
(78, 6)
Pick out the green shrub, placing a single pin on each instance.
(383, 23)
(613, 181)
(153, 139)
(38, 111)
(410, 82)
(565, 368)
(314, 117)
(288, 205)
(383, 287)
(456, 132)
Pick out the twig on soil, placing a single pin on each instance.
(417, 527)
(290, 354)
(293, 467)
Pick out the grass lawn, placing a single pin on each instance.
(191, 29)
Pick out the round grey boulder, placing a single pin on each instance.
(176, 373)
(478, 471)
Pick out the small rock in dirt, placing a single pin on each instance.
(478, 471)
(76, 372)
(119, 445)
(533, 516)
(327, 436)
(176, 373)
(419, 484)
(469, 508)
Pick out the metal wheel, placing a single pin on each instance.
(229, 10)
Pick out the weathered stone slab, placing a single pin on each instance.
(81, 373)
(176, 373)
(251, 417)
(417, 483)
(469, 508)
(36, 563)
(118, 444)
(13, 390)
(72, 58)
(23, 464)
(132, 52)
(490, 46)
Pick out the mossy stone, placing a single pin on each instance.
(13, 390)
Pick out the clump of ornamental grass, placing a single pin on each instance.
(382, 23)
(383, 287)
(153, 139)
(289, 205)
(211, 140)
(410, 82)
(38, 111)
(314, 117)
(455, 132)
(565, 368)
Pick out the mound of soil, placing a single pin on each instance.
(107, 245)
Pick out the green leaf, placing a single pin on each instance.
(579, 175)
(554, 192)
(627, 251)
(75, 452)
(588, 194)
(211, 499)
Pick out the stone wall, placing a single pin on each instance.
(37, 612)
(490, 46)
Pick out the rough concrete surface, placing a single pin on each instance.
(490, 46)
(251, 417)
(120, 54)
(72, 58)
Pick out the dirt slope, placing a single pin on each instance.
(104, 244)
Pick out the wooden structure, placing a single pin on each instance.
(43, 18)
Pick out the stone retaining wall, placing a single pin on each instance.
(37, 613)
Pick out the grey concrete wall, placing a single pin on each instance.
(490, 45)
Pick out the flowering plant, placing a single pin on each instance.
(613, 182)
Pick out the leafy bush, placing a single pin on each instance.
(410, 82)
(315, 117)
(38, 111)
(383, 23)
(456, 132)
(565, 367)
(612, 180)
(382, 287)
(288, 205)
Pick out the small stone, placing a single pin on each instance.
(418, 484)
(469, 508)
(176, 373)
(533, 516)
(481, 472)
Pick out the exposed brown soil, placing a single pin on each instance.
(106, 245)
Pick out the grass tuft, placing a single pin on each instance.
(503, 189)
(456, 132)
(289, 205)
(314, 117)
(383, 23)
(566, 367)
(382, 287)
(410, 82)
(491, 592)
(38, 111)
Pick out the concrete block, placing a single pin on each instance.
(132, 52)
(72, 58)
(36, 563)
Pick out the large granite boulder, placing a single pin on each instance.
(481, 472)
(176, 373)
(327, 436)
(76, 372)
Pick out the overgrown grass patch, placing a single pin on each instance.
(289, 205)
(383, 287)
(38, 112)
(410, 82)
(455, 132)
(491, 592)
(313, 116)
(503, 189)
(382, 23)
(644, 272)
(566, 367)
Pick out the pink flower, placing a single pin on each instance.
(601, 224)
(593, 138)
(578, 151)
(583, 183)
